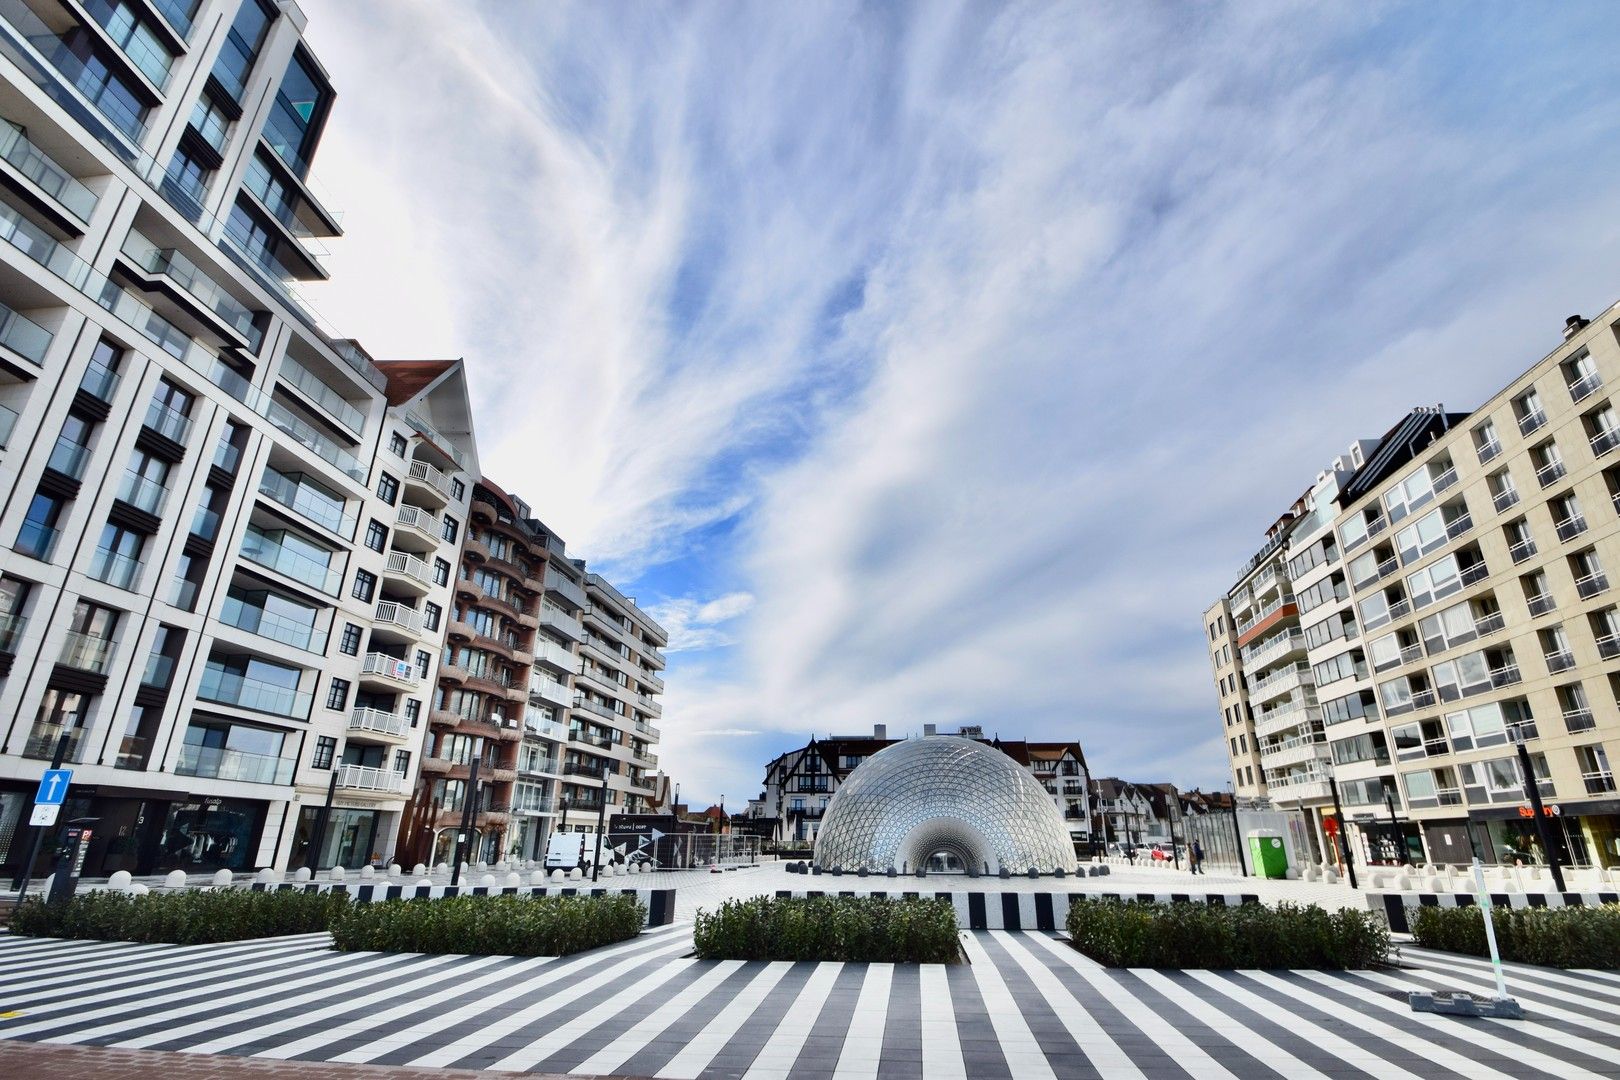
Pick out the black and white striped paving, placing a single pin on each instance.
(1026, 1006)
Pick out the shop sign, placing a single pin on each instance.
(1546, 811)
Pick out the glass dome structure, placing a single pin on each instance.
(943, 800)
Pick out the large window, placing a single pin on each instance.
(293, 128)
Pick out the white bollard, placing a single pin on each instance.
(487, 880)
(367, 872)
(119, 881)
(222, 879)
(301, 874)
(514, 880)
(138, 889)
(394, 870)
(419, 870)
(267, 875)
(337, 873)
(175, 880)
(575, 874)
(556, 875)
(537, 877)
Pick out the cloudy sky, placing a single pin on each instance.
(943, 362)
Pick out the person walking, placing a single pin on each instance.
(1196, 850)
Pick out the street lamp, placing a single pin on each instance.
(1344, 840)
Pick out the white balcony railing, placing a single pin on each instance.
(369, 778)
(399, 617)
(390, 667)
(1592, 584)
(420, 472)
(401, 564)
(378, 722)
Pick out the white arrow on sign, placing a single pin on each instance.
(620, 849)
(656, 835)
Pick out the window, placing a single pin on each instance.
(413, 711)
(422, 661)
(451, 529)
(349, 643)
(458, 490)
(1548, 461)
(365, 584)
(165, 651)
(1486, 444)
(337, 694)
(397, 444)
(431, 614)
(441, 572)
(1581, 376)
(376, 535)
(388, 489)
(1346, 665)
(117, 559)
(325, 751)
(72, 448)
(402, 762)
(1527, 409)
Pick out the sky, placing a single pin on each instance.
(943, 362)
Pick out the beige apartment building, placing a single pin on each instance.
(1436, 596)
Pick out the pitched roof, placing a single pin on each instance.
(407, 378)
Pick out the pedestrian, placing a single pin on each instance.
(1130, 852)
(1197, 860)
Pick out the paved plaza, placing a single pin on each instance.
(1025, 1005)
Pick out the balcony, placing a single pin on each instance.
(1296, 751)
(1274, 647)
(1605, 441)
(389, 671)
(271, 626)
(1422, 699)
(1598, 783)
(307, 502)
(116, 569)
(417, 530)
(377, 722)
(23, 336)
(209, 298)
(396, 622)
(1571, 527)
(45, 173)
(11, 632)
(1446, 480)
(1488, 450)
(427, 483)
(261, 551)
(142, 492)
(408, 573)
(561, 586)
(1459, 525)
(170, 423)
(1411, 654)
(1249, 623)
(1522, 550)
(1489, 624)
(1592, 584)
(369, 780)
(1298, 789)
(1507, 497)
(1276, 682)
(554, 655)
(1506, 675)
(557, 619)
(37, 540)
(551, 691)
(330, 401)
(1585, 386)
(1579, 720)
(1559, 661)
(1534, 420)
(86, 652)
(1551, 472)
(1540, 604)
(582, 702)
(225, 687)
(1608, 646)
(220, 763)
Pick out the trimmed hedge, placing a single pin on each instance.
(192, 917)
(1189, 935)
(490, 925)
(857, 929)
(1567, 937)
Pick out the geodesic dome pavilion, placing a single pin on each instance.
(942, 797)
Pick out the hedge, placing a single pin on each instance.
(490, 925)
(192, 917)
(1568, 937)
(857, 929)
(1191, 935)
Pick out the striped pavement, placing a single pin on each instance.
(1024, 1005)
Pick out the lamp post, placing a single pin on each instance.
(1344, 840)
(1395, 828)
(1237, 831)
(1532, 791)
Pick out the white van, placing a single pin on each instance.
(567, 850)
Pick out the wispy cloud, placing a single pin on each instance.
(973, 345)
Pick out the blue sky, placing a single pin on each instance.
(942, 362)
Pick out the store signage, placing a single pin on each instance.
(1546, 811)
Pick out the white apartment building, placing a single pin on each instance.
(223, 534)
(1453, 599)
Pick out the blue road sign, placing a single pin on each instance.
(53, 787)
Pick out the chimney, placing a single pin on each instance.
(1573, 325)
(930, 729)
(880, 731)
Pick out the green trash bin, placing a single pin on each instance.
(1268, 855)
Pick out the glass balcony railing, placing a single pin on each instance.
(296, 565)
(183, 272)
(213, 127)
(178, 14)
(37, 540)
(306, 502)
(106, 95)
(8, 424)
(227, 457)
(87, 652)
(323, 395)
(23, 336)
(11, 631)
(68, 458)
(138, 44)
(228, 688)
(232, 68)
(47, 175)
(271, 626)
(100, 382)
(142, 492)
(43, 740)
(117, 570)
(205, 523)
(218, 763)
(168, 422)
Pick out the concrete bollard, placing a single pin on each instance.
(575, 874)
(138, 889)
(537, 877)
(175, 880)
(514, 880)
(367, 872)
(120, 881)
(557, 875)
(487, 880)
(394, 870)
(302, 874)
(222, 879)
(337, 873)
(267, 875)
(419, 870)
